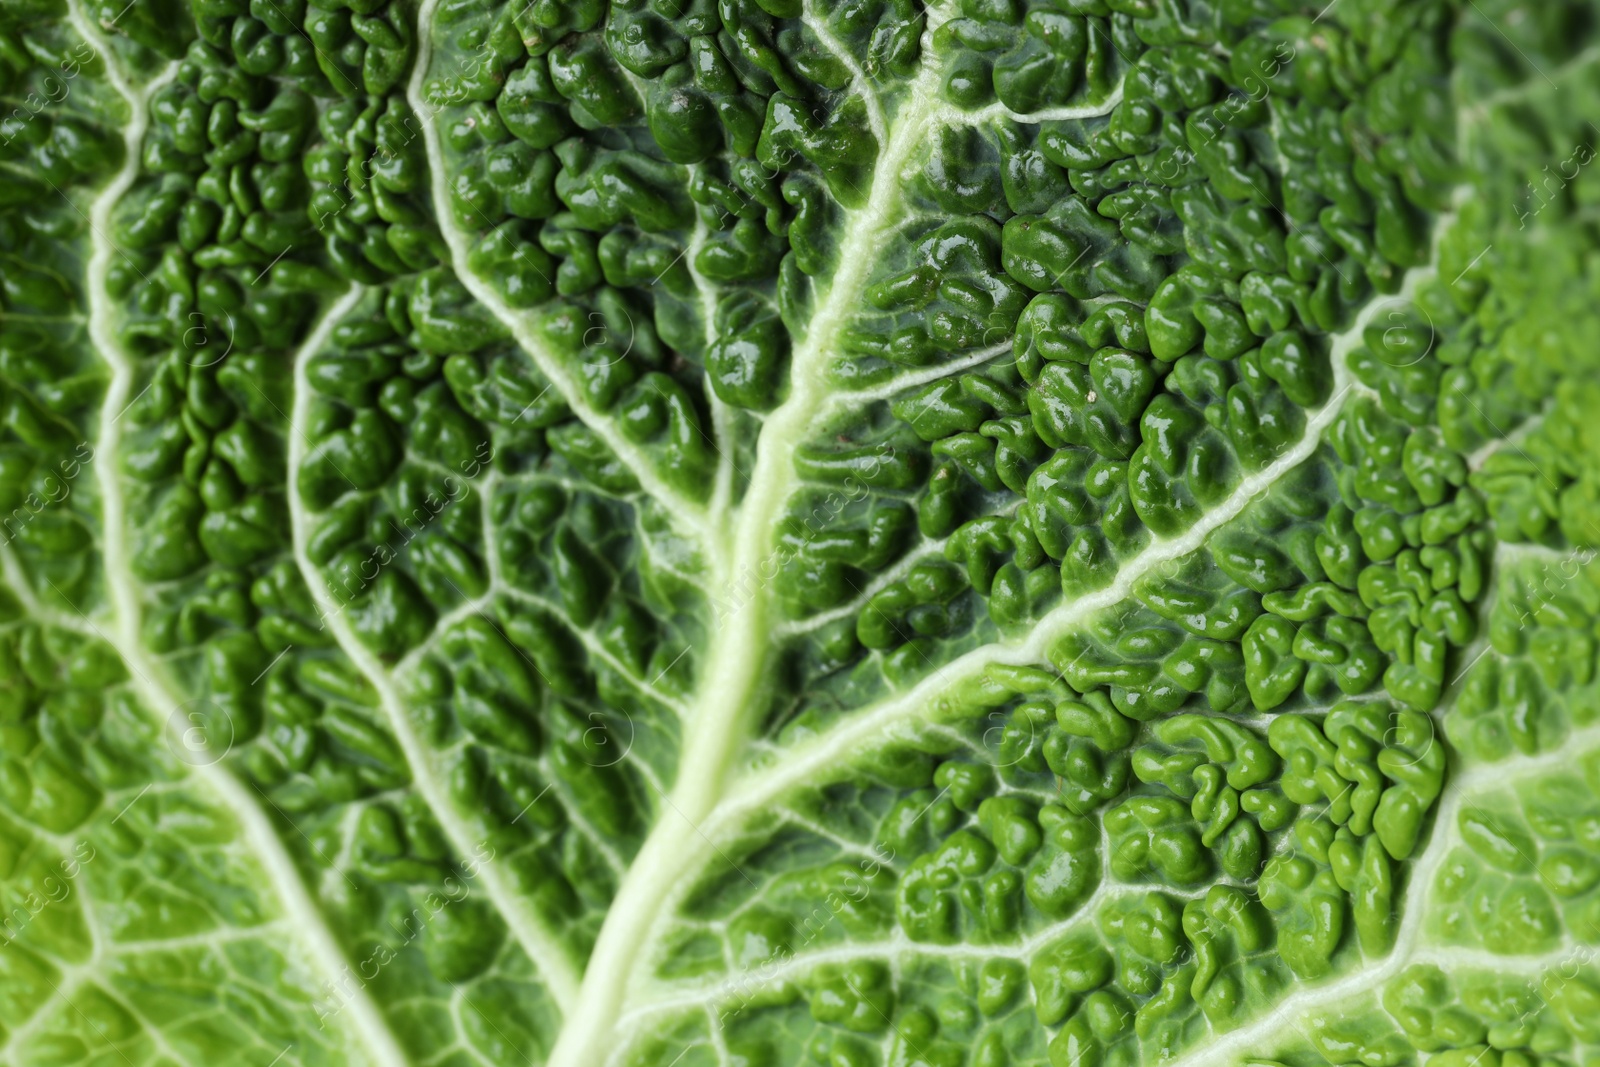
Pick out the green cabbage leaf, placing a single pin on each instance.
(799, 533)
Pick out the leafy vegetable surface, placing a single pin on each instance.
(677, 533)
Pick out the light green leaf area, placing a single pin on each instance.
(775, 533)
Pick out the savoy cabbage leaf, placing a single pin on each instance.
(795, 533)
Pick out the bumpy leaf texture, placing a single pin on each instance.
(799, 533)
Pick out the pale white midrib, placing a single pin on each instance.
(691, 516)
(543, 949)
(738, 649)
(282, 875)
(734, 665)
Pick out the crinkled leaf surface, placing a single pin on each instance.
(793, 533)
